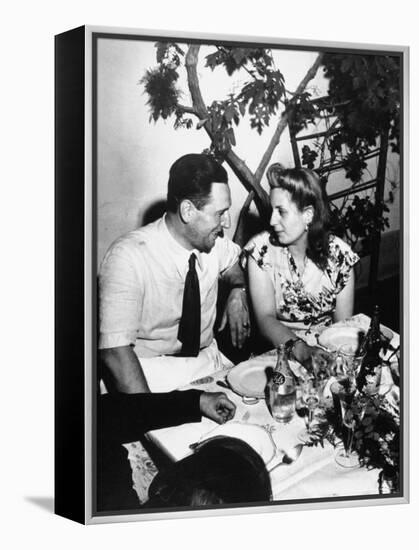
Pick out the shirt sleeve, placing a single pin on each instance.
(120, 297)
(342, 259)
(228, 253)
(126, 417)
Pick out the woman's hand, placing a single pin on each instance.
(309, 355)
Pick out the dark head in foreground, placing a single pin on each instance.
(223, 470)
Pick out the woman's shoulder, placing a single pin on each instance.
(259, 242)
(338, 248)
(259, 239)
(336, 243)
(258, 247)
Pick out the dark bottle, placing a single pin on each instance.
(371, 345)
(282, 389)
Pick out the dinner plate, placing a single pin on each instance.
(249, 378)
(254, 435)
(333, 338)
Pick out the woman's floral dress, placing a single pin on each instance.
(306, 299)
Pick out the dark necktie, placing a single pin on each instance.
(190, 323)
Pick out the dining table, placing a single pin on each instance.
(314, 474)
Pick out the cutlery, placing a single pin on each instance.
(224, 383)
(204, 380)
(246, 416)
(290, 457)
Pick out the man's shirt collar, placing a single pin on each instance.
(179, 253)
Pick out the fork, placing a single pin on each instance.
(246, 416)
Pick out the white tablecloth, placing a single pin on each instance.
(314, 475)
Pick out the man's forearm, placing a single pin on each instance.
(234, 277)
(236, 312)
(124, 370)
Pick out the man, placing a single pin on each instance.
(123, 418)
(158, 286)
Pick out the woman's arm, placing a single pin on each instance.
(263, 300)
(264, 306)
(345, 300)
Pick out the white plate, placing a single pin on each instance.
(249, 379)
(334, 337)
(252, 434)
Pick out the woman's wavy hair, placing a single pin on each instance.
(305, 189)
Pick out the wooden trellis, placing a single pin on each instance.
(327, 167)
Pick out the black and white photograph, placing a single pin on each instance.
(248, 326)
(210, 250)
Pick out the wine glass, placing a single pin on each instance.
(343, 392)
(309, 398)
(323, 366)
(352, 358)
(376, 382)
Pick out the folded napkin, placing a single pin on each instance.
(167, 373)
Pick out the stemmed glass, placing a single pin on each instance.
(351, 358)
(310, 398)
(343, 392)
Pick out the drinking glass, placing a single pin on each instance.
(376, 383)
(351, 357)
(310, 398)
(343, 392)
(323, 366)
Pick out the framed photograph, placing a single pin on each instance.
(231, 275)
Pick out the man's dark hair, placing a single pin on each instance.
(222, 470)
(191, 177)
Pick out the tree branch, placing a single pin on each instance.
(237, 237)
(238, 166)
(283, 121)
(191, 61)
(187, 109)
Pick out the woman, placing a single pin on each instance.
(300, 276)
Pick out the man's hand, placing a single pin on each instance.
(236, 313)
(217, 406)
